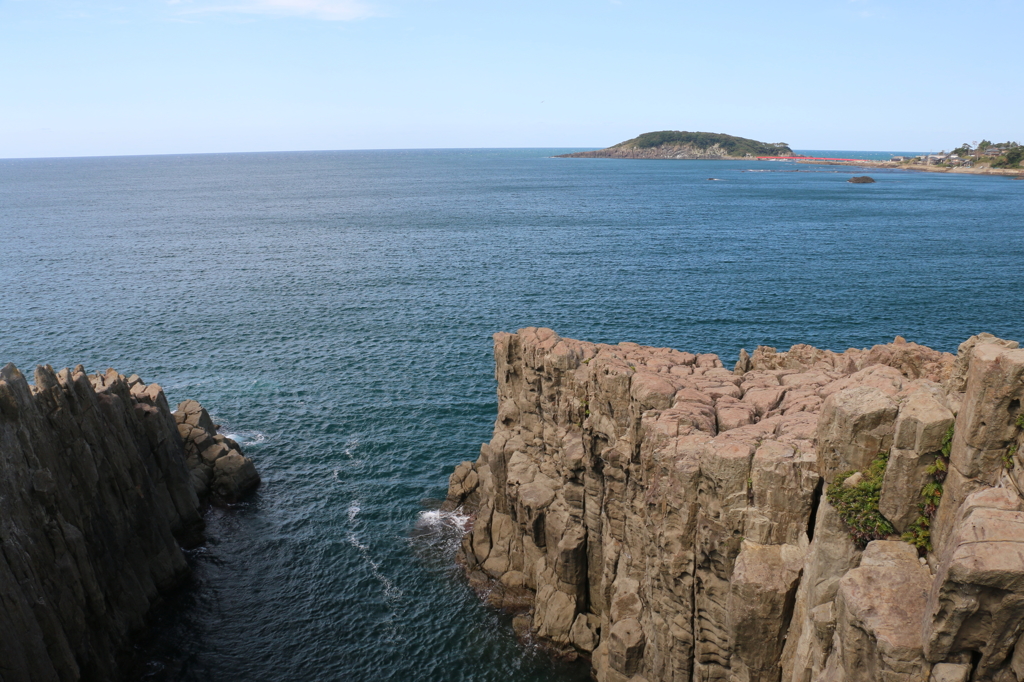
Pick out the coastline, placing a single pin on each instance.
(653, 154)
(868, 164)
(102, 488)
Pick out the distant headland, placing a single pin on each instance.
(675, 144)
(983, 158)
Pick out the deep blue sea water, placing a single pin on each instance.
(334, 310)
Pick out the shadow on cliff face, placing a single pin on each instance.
(101, 485)
(155, 657)
(162, 651)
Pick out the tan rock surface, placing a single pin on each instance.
(986, 424)
(855, 425)
(976, 602)
(920, 427)
(762, 591)
(876, 603)
(217, 465)
(669, 514)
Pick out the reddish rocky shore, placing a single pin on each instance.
(868, 164)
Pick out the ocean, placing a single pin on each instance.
(334, 312)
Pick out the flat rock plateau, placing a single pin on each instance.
(100, 486)
(670, 519)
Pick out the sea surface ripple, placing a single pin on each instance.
(333, 310)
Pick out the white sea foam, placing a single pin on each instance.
(391, 593)
(441, 531)
(245, 438)
(442, 520)
(351, 461)
(354, 541)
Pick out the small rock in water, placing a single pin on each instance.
(861, 179)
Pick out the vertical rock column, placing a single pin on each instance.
(93, 492)
(655, 503)
(975, 608)
(666, 517)
(96, 499)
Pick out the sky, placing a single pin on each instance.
(98, 77)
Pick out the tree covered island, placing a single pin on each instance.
(675, 144)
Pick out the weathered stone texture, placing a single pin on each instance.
(669, 513)
(977, 599)
(95, 500)
(855, 425)
(216, 463)
(876, 604)
(919, 430)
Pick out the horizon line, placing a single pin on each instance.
(376, 149)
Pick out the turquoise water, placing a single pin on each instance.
(334, 310)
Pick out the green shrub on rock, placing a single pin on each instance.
(919, 533)
(857, 504)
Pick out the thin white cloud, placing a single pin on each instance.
(327, 10)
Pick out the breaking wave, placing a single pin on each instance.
(441, 531)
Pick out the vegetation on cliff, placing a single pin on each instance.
(627, 485)
(856, 501)
(919, 533)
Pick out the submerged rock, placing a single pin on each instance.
(861, 179)
(668, 514)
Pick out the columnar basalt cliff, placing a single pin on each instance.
(96, 499)
(670, 518)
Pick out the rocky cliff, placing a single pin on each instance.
(100, 484)
(807, 516)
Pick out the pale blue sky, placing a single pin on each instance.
(97, 77)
